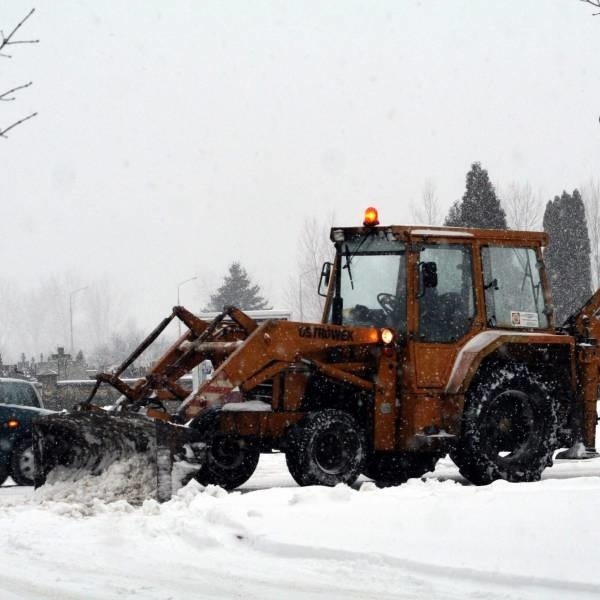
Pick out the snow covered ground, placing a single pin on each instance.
(428, 539)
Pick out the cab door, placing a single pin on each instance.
(444, 308)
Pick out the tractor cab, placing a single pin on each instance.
(437, 284)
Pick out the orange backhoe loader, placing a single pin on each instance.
(433, 341)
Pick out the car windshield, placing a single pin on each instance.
(373, 282)
(21, 394)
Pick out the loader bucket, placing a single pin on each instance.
(69, 446)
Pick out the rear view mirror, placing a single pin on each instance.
(324, 279)
(428, 275)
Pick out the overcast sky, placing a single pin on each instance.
(175, 137)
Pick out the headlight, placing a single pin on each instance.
(387, 336)
(12, 423)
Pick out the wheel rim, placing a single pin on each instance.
(26, 463)
(333, 450)
(510, 430)
(227, 452)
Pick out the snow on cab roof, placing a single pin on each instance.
(408, 231)
(442, 232)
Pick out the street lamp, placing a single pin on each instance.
(179, 286)
(71, 313)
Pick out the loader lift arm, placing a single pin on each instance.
(274, 347)
(186, 353)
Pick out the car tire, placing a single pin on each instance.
(22, 463)
(509, 427)
(326, 447)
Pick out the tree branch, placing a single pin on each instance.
(8, 41)
(20, 87)
(595, 3)
(4, 131)
(6, 96)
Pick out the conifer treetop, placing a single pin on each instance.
(237, 290)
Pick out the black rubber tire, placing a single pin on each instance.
(510, 411)
(326, 447)
(22, 462)
(230, 460)
(393, 468)
(3, 474)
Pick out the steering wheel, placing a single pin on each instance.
(389, 303)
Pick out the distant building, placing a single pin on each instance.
(63, 366)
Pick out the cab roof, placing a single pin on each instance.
(422, 232)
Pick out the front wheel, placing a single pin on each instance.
(23, 463)
(230, 460)
(326, 447)
(509, 428)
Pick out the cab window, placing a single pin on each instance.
(373, 283)
(513, 289)
(445, 296)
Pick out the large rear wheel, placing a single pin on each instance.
(509, 428)
(326, 447)
(230, 460)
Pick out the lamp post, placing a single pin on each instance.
(71, 313)
(178, 287)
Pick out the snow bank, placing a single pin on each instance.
(436, 537)
(128, 483)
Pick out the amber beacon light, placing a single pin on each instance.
(371, 217)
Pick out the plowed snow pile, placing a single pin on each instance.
(132, 480)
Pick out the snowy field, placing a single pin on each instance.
(433, 538)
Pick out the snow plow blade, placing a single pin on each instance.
(70, 446)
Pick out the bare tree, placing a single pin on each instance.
(8, 96)
(428, 211)
(590, 194)
(9, 315)
(314, 249)
(37, 319)
(102, 311)
(523, 208)
(595, 3)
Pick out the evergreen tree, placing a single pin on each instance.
(237, 290)
(454, 218)
(480, 206)
(567, 256)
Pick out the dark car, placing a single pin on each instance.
(20, 403)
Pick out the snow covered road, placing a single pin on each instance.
(432, 538)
